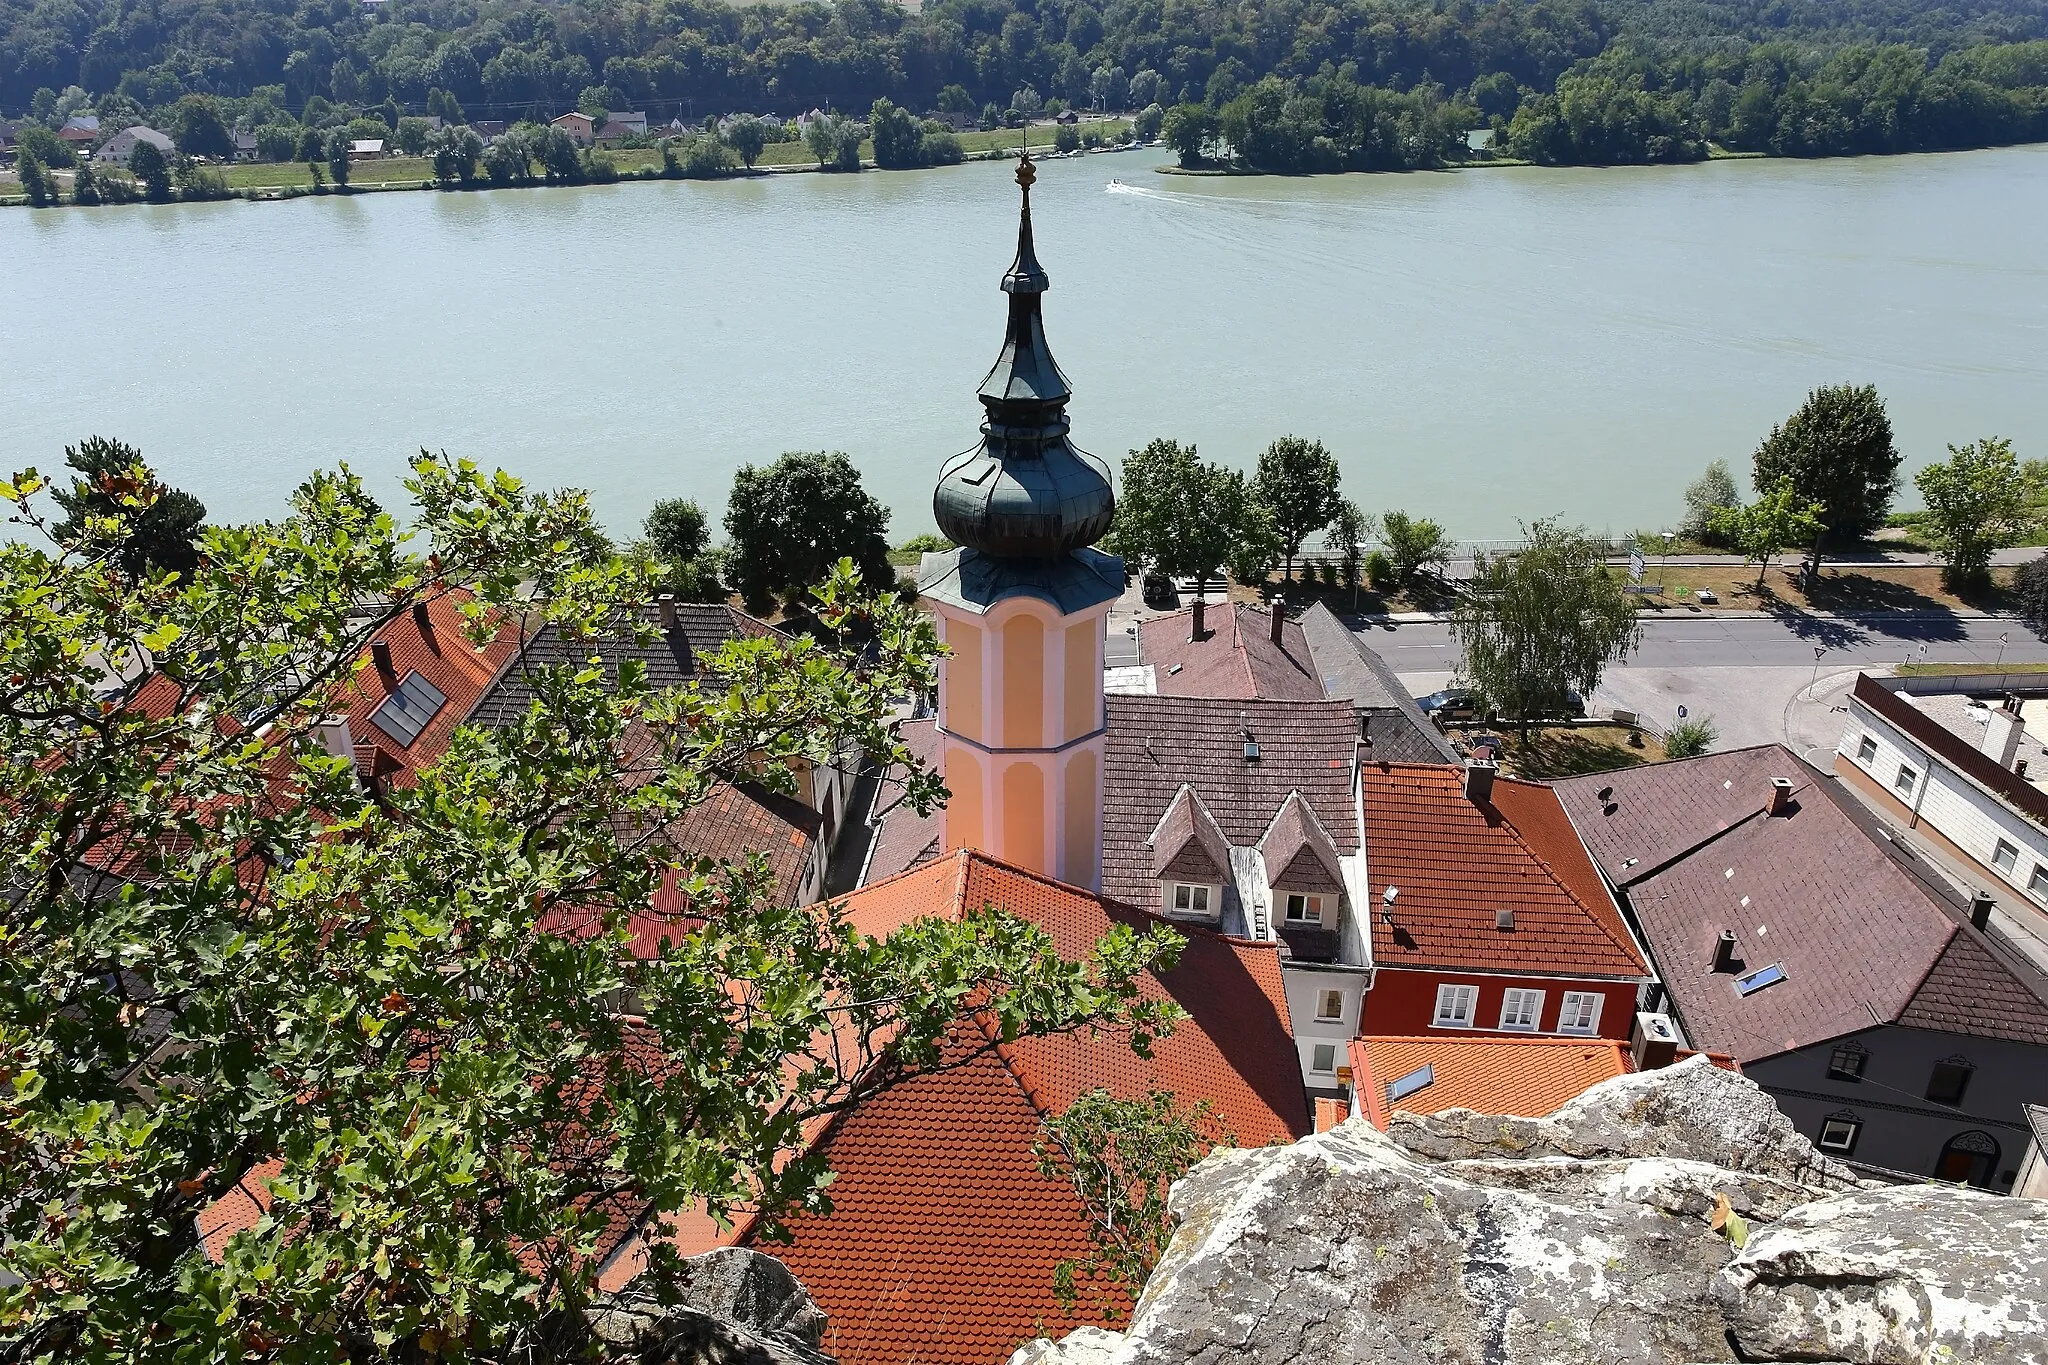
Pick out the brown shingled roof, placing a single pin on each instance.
(1861, 936)
(1157, 744)
(1298, 851)
(1237, 658)
(1188, 845)
(1456, 862)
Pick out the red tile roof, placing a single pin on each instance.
(943, 1237)
(437, 649)
(1236, 659)
(1156, 744)
(1530, 1077)
(1457, 862)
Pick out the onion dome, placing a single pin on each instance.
(1025, 492)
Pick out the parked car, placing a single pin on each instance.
(1160, 593)
(1451, 704)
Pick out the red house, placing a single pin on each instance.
(1487, 914)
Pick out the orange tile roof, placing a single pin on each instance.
(943, 1236)
(437, 649)
(1456, 862)
(1531, 1077)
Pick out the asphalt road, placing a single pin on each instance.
(1703, 641)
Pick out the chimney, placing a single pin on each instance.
(1724, 951)
(1479, 781)
(380, 654)
(1279, 617)
(1781, 796)
(331, 734)
(420, 618)
(1655, 1044)
(2002, 732)
(1198, 626)
(666, 605)
(1504, 917)
(1980, 910)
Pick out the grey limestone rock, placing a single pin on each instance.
(732, 1306)
(1581, 1237)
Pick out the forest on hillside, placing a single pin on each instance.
(508, 58)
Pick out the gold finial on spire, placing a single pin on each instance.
(1026, 172)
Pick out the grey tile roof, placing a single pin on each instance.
(1351, 669)
(672, 657)
(1863, 936)
(1236, 658)
(1188, 845)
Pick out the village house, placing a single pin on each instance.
(120, 148)
(580, 127)
(1953, 767)
(366, 149)
(618, 127)
(1874, 1002)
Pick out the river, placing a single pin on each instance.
(1480, 346)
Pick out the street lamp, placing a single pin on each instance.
(1664, 573)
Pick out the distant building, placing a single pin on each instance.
(1849, 979)
(489, 129)
(1953, 767)
(121, 146)
(366, 149)
(618, 127)
(579, 126)
(245, 146)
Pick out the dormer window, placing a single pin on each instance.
(1188, 898)
(1303, 908)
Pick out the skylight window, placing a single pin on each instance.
(1752, 982)
(1407, 1085)
(406, 712)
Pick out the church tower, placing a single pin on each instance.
(1023, 604)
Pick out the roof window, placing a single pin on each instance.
(405, 713)
(1403, 1087)
(1752, 982)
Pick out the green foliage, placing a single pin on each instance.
(1711, 492)
(36, 183)
(157, 526)
(1184, 517)
(1379, 570)
(1690, 738)
(835, 142)
(413, 135)
(1837, 450)
(1149, 121)
(898, 138)
(1351, 527)
(1775, 522)
(1066, 138)
(1331, 123)
(1414, 544)
(457, 152)
(1977, 501)
(2030, 594)
(1542, 621)
(225, 962)
(1600, 118)
(1121, 1157)
(196, 125)
(45, 146)
(788, 523)
(198, 183)
(747, 135)
(928, 543)
(149, 166)
(1191, 130)
(1298, 483)
(337, 156)
(277, 142)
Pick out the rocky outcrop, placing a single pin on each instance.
(1581, 1237)
(727, 1307)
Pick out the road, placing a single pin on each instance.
(1703, 641)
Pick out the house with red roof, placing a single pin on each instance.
(1242, 652)
(1486, 913)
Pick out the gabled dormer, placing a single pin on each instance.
(1190, 859)
(1306, 877)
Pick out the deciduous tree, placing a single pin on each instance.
(788, 522)
(153, 169)
(1711, 492)
(1976, 502)
(1298, 481)
(747, 135)
(394, 1015)
(1413, 544)
(1773, 523)
(1182, 516)
(1350, 532)
(1837, 450)
(1541, 621)
(1121, 1157)
(1189, 129)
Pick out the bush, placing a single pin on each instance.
(928, 543)
(1379, 571)
(600, 169)
(940, 148)
(2030, 595)
(1067, 139)
(202, 183)
(1690, 738)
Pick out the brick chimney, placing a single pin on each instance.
(666, 605)
(1724, 951)
(380, 655)
(1279, 617)
(1781, 796)
(421, 619)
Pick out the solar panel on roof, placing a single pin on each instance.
(1420, 1079)
(1752, 982)
(405, 713)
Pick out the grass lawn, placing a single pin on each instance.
(1965, 670)
(1839, 591)
(1569, 750)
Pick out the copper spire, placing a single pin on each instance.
(1026, 275)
